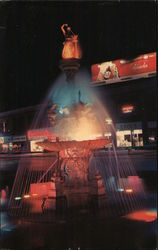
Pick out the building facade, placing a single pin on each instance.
(13, 129)
(132, 108)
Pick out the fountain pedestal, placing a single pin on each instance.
(69, 67)
(72, 181)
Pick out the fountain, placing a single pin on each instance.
(75, 180)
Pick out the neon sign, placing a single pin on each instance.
(127, 109)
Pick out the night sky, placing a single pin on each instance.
(31, 41)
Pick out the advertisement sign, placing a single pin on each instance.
(36, 134)
(118, 70)
(34, 147)
(127, 109)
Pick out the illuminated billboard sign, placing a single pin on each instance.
(119, 70)
(127, 109)
(45, 134)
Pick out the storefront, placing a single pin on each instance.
(13, 144)
(129, 134)
(6, 144)
(19, 143)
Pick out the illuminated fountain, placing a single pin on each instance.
(75, 179)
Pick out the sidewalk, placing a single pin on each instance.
(28, 154)
(144, 152)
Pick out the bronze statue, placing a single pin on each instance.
(71, 47)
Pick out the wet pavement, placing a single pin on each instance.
(114, 233)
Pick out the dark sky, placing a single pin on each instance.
(31, 41)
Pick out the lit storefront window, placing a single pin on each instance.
(128, 135)
(124, 138)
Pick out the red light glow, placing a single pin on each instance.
(127, 109)
(3, 194)
(146, 215)
(41, 134)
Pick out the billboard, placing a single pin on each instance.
(118, 70)
(44, 134)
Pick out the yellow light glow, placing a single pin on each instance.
(129, 190)
(26, 196)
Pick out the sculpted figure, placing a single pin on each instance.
(71, 47)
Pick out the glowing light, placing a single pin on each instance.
(34, 194)
(39, 134)
(108, 121)
(61, 111)
(152, 138)
(17, 198)
(127, 109)
(144, 215)
(80, 122)
(26, 196)
(120, 189)
(129, 190)
(3, 194)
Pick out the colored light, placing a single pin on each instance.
(26, 196)
(39, 134)
(129, 190)
(34, 194)
(120, 189)
(144, 215)
(17, 198)
(127, 108)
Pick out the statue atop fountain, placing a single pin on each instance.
(71, 49)
(71, 53)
